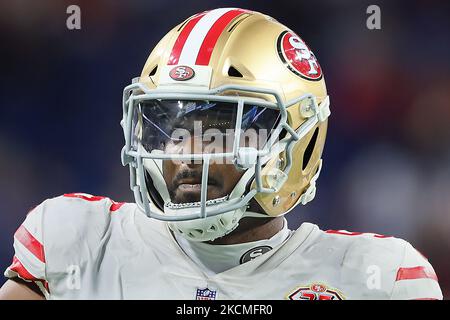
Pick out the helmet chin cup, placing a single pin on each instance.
(209, 228)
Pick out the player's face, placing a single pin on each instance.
(202, 127)
(183, 180)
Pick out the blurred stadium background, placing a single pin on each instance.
(387, 157)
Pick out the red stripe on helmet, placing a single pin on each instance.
(207, 47)
(181, 40)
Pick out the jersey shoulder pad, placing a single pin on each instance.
(389, 264)
(362, 252)
(415, 278)
(60, 232)
(72, 219)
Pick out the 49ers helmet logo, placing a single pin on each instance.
(297, 56)
(182, 73)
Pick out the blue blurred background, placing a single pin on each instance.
(387, 157)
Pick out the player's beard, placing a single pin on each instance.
(191, 192)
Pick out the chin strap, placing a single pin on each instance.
(249, 214)
(323, 111)
(309, 194)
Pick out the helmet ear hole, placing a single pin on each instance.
(309, 149)
(233, 72)
(153, 72)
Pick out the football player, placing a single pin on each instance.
(224, 132)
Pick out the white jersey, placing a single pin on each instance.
(79, 246)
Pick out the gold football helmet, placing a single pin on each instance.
(252, 71)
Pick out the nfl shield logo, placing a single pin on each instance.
(205, 294)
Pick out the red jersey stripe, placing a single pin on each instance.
(31, 243)
(419, 272)
(23, 273)
(18, 267)
(208, 44)
(116, 206)
(84, 197)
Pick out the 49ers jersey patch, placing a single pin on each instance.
(315, 291)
